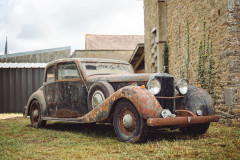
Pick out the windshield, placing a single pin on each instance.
(101, 68)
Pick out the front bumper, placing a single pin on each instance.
(184, 120)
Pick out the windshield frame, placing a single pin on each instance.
(86, 75)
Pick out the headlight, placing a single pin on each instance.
(154, 86)
(182, 86)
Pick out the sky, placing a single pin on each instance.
(42, 24)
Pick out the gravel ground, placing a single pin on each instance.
(10, 115)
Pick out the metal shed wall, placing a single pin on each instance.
(16, 86)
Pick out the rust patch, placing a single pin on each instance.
(67, 114)
(181, 120)
(184, 113)
(144, 101)
(129, 78)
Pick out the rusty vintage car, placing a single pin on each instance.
(92, 90)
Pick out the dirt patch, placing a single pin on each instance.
(11, 115)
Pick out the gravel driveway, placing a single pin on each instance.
(10, 115)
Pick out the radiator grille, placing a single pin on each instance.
(167, 90)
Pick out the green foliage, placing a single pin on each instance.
(166, 56)
(182, 74)
(211, 73)
(206, 75)
(201, 65)
(18, 140)
(188, 53)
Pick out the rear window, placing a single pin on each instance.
(50, 74)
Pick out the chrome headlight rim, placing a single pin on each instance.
(182, 86)
(154, 88)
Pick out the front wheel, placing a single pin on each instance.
(35, 115)
(128, 125)
(195, 128)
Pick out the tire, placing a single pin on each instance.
(195, 129)
(35, 115)
(98, 92)
(134, 131)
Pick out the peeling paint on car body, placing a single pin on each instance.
(144, 101)
(66, 100)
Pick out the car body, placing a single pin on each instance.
(89, 90)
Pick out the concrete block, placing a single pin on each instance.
(237, 2)
(228, 96)
(231, 5)
(227, 115)
(234, 66)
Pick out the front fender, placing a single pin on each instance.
(198, 99)
(144, 101)
(39, 96)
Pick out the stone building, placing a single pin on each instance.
(112, 42)
(123, 55)
(171, 22)
(118, 47)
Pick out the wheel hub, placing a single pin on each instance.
(127, 121)
(35, 114)
(97, 98)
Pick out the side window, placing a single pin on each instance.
(67, 71)
(50, 76)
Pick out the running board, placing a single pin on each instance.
(75, 120)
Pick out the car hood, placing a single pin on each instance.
(120, 78)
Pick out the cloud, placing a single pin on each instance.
(40, 24)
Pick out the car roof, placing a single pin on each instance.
(86, 60)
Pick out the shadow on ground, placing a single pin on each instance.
(107, 130)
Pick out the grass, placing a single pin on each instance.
(18, 140)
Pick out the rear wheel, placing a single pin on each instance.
(128, 125)
(35, 115)
(195, 128)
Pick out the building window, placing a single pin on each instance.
(154, 42)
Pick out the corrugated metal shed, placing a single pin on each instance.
(17, 82)
(35, 52)
(23, 65)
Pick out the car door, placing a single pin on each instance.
(72, 99)
(50, 91)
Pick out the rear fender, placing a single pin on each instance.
(144, 101)
(39, 96)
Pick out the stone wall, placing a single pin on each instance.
(38, 56)
(123, 55)
(150, 21)
(229, 105)
(155, 34)
(223, 27)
